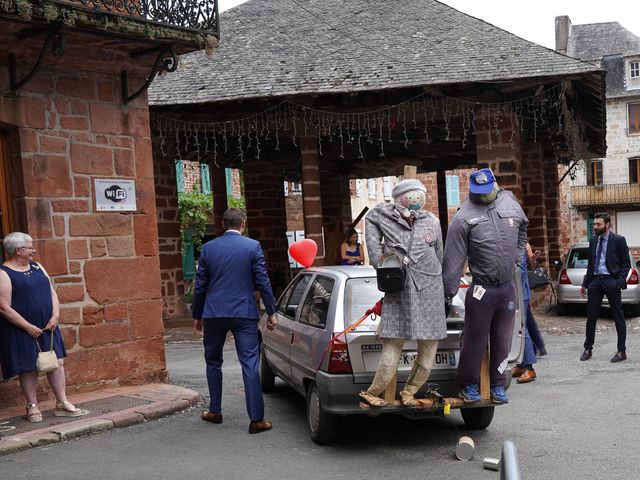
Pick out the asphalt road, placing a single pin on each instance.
(578, 420)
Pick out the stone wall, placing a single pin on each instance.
(67, 127)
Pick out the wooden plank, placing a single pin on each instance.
(410, 171)
(390, 391)
(484, 377)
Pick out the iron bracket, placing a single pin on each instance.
(166, 61)
(55, 41)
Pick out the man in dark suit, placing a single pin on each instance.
(606, 274)
(230, 269)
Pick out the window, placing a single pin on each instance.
(634, 170)
(296, 187)
(371, 186)
(387, 188)
(316, 305)
(634, 117)
(358, 188)
(290, 300)
(594, 172)
(453, 190)
(634, 69)
(205, 179)
(286, 188)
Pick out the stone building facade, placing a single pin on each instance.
(60, 132)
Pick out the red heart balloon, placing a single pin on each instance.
(304, 252)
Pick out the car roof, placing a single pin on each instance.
(347, 271)
(580, 245)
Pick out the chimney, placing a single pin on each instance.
(563, 27)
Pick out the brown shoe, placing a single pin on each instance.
(212, 417)
(619, 357)
(527, 376)
(260, 426)
(517, 372)
(586, 355)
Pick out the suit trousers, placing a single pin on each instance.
(489, 318)
(245, 333)
(598, 288)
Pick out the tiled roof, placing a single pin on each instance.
(274, 48)
(593, 41)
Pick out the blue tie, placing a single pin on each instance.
(598, 254)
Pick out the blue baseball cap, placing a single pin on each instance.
(482, 181)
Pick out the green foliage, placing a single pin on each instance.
(195, 211)
(237, 202)
(188, 294)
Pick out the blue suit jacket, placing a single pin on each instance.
(230, 269)
(617, 259)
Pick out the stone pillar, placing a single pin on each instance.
(534, 205)
(219, 187)
(553, 210)
(311, 194)
(267, 217)
(498, 147)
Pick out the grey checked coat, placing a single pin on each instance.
(417, 312)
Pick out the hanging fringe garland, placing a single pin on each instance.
(376, 126)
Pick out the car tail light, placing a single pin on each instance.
(564, 278)
(339, 361)
(633, 279)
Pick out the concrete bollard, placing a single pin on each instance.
(465, 448)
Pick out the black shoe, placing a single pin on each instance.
(586, 355)
(619, 357)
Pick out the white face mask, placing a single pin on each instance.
(408, 201)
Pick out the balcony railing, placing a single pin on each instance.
(199, 15)
(616, 194)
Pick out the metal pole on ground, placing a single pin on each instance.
(510, 469)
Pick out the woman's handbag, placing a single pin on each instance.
(47, 361)
(392, 271)
(538, 278)
(391, 274)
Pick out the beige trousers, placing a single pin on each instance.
(388, 365)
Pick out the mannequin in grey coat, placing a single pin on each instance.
(417, 312)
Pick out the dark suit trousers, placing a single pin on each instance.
(598, 288)
(245, 333)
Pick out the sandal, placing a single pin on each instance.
(372, 400)
(67, 409)
(408, 400)
(33, 417)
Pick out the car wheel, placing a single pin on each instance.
(562, 309)
(477, 418)
(322, 425)
(632, 310)
(267, 377)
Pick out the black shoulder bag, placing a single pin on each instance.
(392, 272)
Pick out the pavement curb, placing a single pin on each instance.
(165, 400)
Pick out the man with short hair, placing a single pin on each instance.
(230, 268)
(607, 271)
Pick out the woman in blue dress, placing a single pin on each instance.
(351, 251)
(29, 312)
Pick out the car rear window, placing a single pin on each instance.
(360, 295)
(578, 258)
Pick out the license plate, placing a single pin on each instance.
(444, 359)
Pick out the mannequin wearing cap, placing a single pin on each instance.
(490, 231)
(416, 312)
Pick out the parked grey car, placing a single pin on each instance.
(572, 273)
(320, 303)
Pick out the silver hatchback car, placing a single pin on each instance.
(572, 273)
(317, 306)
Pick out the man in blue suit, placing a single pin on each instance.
(606, 274)
(230, 270)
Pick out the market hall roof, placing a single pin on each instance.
(280, 48)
